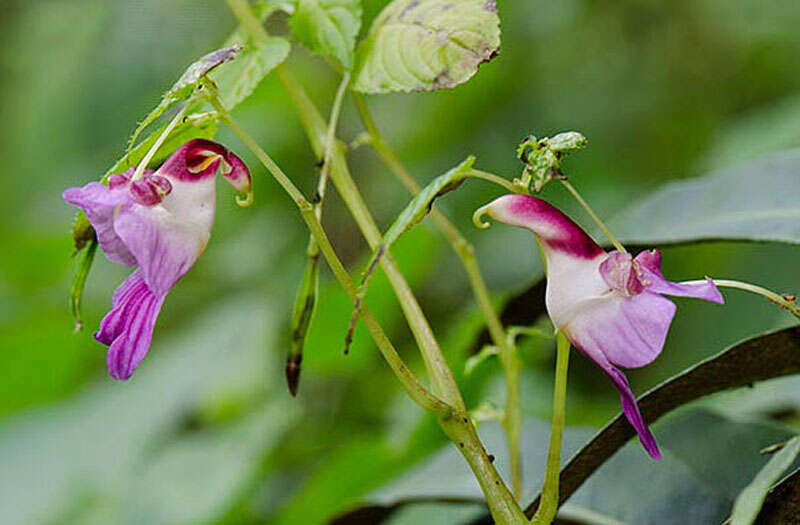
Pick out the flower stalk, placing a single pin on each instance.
(466, 253)
(157, 144)
(786, 302)
(548, 505)
(600, 224)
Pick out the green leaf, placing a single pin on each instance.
(756, 359)
(185, 85)
(190, 79)
(79, 282)
(237, 80)
(198, 125)
(753, 202)
(412, 214)
(748, 504)
(328, 27)
(782, 504)
(424, 45)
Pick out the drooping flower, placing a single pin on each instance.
(159, 223)
(609, 305)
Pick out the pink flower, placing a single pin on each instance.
(160, 223)
(609, 305)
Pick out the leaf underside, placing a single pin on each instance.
(328, 27)
(425, 45)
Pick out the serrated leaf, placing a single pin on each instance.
(412, 214)
(237, 80)
(424, 45)
(328, 27)
(748, 503)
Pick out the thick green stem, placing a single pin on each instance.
(466, 253)
(548, 505)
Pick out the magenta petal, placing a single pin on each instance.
(100, 204)
(650, 264)
(631, 410)
(128, 327)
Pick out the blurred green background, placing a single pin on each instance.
(205, 432)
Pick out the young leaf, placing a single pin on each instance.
(328, 27)
(424, 45)
(748, 503)
(416, 210)
(237, 80)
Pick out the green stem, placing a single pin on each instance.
(618, 245)
(500, 181)
(157, 144)
(414, 388)
(548, 505)
(466, 253)
(442, 379)
(241, 9)
(764, 292)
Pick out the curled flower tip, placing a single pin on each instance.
(247, 200)
(477, 217)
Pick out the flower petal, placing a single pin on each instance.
(628, 331)
(128, 327)
(100, 203)
(199, 159)
(650, 264)
(166, 246)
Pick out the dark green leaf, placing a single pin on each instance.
(759, 358)
(424, 45)
(753, 202)
(328, 27)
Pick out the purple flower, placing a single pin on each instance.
(609, 305)
(160, 223)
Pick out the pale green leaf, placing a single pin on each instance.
(748, 503)
(328, 27)
(424, 45)
(184, 86)
(237, 80)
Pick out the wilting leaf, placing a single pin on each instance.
(748, 504)
(759, 358)
(237, 80)
(328, 27)
(424, 45)
(414, 212)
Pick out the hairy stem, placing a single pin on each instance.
(466, 253)
(549, 502)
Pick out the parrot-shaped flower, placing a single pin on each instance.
(159, 223)
(609, 305)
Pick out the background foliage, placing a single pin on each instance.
(205, 431)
